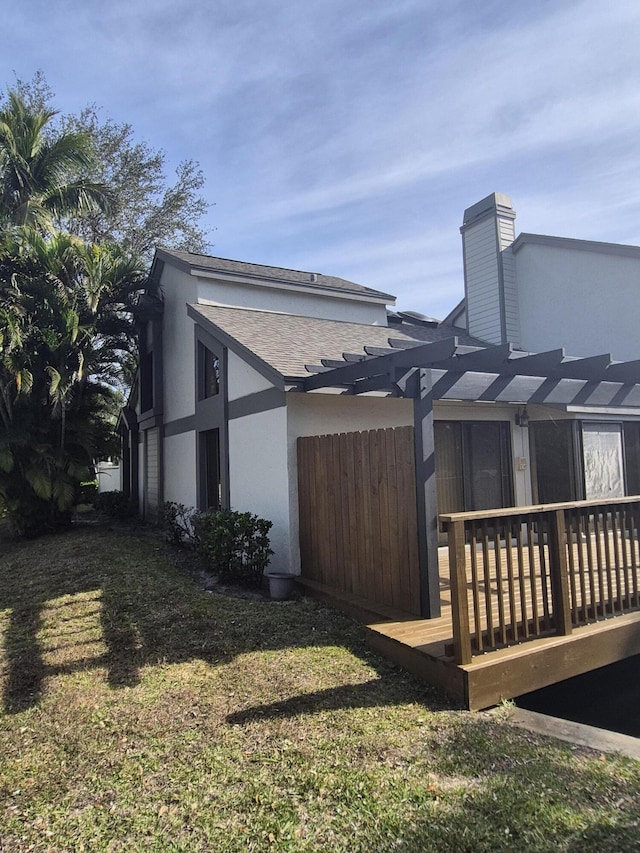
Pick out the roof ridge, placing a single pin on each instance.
(304, 317)
(191, 261)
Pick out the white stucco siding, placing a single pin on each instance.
(178, 344)
(258, 480)
(482, 281)
(180, 480)
(323, 414)
(584, 301)
(242, 379)
(263, 298)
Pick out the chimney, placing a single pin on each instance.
(491, 297)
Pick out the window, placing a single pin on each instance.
(473, 465)
(210, 469)
(573, 460)
(602, 459)
(147, 379)
(209, 372)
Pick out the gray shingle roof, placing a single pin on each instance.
(287, 342)
(314, 281)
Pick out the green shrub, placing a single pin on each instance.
(178, 522)
(115, 504)
(235, 544)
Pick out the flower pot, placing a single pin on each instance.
(281, 585)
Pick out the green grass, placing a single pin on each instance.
(139, 713)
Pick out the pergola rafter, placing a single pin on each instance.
(491, 374)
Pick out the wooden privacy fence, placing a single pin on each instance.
(357, 500)
(518, 574)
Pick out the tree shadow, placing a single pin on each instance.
(375, 693)
(89, 604)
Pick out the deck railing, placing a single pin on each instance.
(526, 572)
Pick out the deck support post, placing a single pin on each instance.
(558, 573)
(459, 598)
(420, 387)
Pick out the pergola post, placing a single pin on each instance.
(421, 388)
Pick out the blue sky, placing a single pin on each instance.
(348, 136)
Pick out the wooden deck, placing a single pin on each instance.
(425, 647)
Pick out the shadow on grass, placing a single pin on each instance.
(26, 669)
(92, 599)
(526, 793)
(366, 695)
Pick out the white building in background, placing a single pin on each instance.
(109, 476)
(541, 292)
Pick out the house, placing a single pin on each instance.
(362, 432)
(219, 408)
(216, 410)
(240, 360)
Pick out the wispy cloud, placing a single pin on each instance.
(353, 133)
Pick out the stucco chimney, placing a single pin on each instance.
(491, 298)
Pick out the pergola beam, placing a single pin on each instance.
(424, 356)
(384, 382)
(623, 371)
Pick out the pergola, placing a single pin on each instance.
(447, 370)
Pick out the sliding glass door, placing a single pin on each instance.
(473, 465)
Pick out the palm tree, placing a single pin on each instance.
(70, 329)
(39, 169)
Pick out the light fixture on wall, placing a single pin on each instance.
(522, 417)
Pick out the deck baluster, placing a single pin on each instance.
(459, 595)
(558, 572)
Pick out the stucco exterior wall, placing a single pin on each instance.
(178, 344)
(258, 479)
(584, 301)
(180, 468)
(263, 298)
(242, 379)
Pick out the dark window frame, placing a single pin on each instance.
(209, 372)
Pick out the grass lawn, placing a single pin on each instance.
(140, 713)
